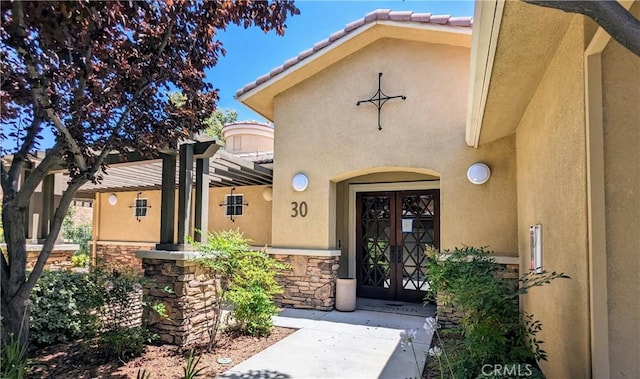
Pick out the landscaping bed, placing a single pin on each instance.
(84, 359)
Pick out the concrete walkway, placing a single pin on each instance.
(361, 344)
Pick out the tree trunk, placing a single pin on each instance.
(15, 319)
(15, 309)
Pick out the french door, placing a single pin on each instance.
(392, 230)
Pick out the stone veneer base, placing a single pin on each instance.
(309, 283)
(186, 290)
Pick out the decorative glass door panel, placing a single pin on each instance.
(393, 229)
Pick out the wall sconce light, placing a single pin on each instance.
(112, 199)
(478, 173)
(300, 182)
(267, 194)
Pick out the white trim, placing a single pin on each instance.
(168, 255)
(125, 243)
(486, 28)
(56, 247)
(373, 187)
(598, 308)
(305, 252)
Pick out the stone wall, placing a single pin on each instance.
(449, 316)
(117, 255)
(310, 283)
(188, 301)
(126, 315)
(58, 260)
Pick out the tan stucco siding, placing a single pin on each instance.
(621, 121)
(255, 223)
(551, 167)
(320, 131)
(118, 222)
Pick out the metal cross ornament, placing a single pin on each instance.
(379, 99)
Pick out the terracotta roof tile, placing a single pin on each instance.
(461, 21)
(305, 54)
(337, 35)
(377, 15)
(439, 19)
(421, 17)
(321, 45)
(400, 16)
(354, 25)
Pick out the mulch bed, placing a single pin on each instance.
(84, 359)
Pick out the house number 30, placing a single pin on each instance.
(299, 209)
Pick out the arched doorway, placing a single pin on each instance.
(387, 219)
(393, 228)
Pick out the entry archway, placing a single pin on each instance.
(384, 220)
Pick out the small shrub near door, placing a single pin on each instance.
(245, 278)
(492, 330)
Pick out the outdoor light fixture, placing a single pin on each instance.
(300, 182)
(478, 173)
(113, 199)
(267, 194)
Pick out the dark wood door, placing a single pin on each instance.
(392, 231)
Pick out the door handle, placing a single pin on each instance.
(395, 254)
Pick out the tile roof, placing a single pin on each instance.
(259, 157)
(377, 15)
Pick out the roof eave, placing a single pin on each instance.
(260, 98)
(486, 28)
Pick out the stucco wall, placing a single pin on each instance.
(255, 222)
(621, 122)
(320, 131)
(551, 170)
(118, 223)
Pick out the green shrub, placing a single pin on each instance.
(80, 260)
(62, 307)
(251, 292)
(493, 329)
(124, 343)
(79, 233)
(246, 280)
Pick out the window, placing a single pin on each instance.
(140, 208)
(234, 205)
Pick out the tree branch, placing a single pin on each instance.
(37, 89)
(116, 129)
(27, 188)
(610, 15)
(49, 242)
(19, 158)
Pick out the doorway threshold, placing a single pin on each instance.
(397, 307)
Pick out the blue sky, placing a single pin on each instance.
(252, 53)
